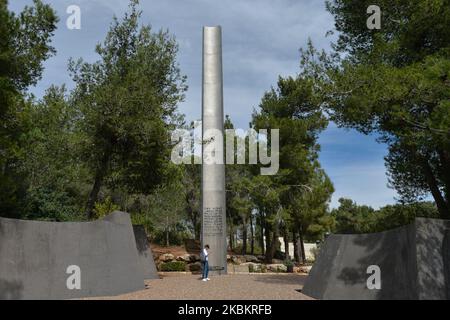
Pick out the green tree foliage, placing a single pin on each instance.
(395, 82)
(107, 141)
(293, 108)
(128, 104)
(102, 209)
(24, 46)
(167, 211)
(240, 204)
(56, 178)
(353, 218)
(192, 186)
(393, 216)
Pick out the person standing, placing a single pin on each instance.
(205, 266)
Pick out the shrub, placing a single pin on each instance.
(256, 249)
(102, 209)
(176, 236)
(173, 266)
(288, 263)
(263, 268)
(280, 255)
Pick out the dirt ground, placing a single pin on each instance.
(175, 250)
(228, 287)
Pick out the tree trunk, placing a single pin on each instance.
(294, 240)
(273, 245)
(261, 225)
(435, 191)
(268, 245)
(197, 229)
(302, 246)
(99, 176)
(445, 173)
(231, 239)
(167, 231)
(286, 243)
(252, 237)
(244, 236)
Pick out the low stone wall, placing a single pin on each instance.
(236, 264)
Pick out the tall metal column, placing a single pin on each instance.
(213, 175)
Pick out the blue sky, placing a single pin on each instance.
(261, 40)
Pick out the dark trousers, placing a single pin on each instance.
(205, 267)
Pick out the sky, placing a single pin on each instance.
(261, 41)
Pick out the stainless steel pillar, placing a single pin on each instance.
(213, 175)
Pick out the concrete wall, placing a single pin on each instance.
(309, 249)
(340, 271)
(432, 258)
(34, 257)
(145, 253)
(413, 262)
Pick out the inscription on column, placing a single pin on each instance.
(212, 221)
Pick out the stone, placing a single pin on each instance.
(195, 257)
(252, 267)
(261, 257)
(238, 259)
(276, 267)
(241, 268)
(277, 261)
(250, 258)
(304, 269)
(185, 258)
(166, 257)
(195, 267)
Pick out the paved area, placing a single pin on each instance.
(229, 287)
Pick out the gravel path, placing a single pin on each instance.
(228, 287)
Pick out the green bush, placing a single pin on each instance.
(288, 263)
(263, 268)
(173, 266)
(102, 209)
(256, 249)
(176, 236)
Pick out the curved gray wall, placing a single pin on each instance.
(413, 262)
(145, 253)
(34, 257)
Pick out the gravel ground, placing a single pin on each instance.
(228, 287)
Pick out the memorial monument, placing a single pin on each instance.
(213, 169)
(413, 263)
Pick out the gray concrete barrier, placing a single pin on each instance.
(413, 262)
(145, 253)
(35, 257)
